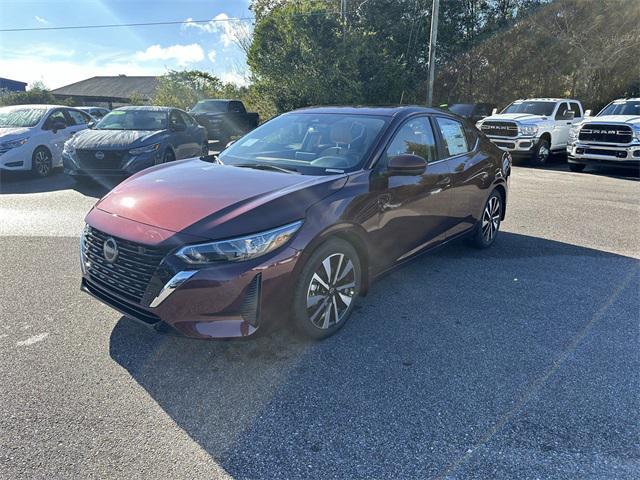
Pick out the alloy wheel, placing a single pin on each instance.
(543, 154)
(331, 291)
(42, 163)
(491, 219)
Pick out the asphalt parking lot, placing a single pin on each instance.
(521, 361)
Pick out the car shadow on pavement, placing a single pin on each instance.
(25, 182)
(503, 363)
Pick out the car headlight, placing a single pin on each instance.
(479, 124)
(528, 130)
(69, 147)
(15, 143)
(238, 249)
(148, 149)
(573, 133)
(636, 131)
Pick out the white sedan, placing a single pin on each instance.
(32, 136)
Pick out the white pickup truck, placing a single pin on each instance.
(534, 127)
(610, 138)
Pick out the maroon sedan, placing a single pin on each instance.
(293, 222)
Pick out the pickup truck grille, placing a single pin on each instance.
(597, 133)
(129, 275)
(499, 129)
(112, 159)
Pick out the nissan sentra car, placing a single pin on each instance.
(294, 222)
(130, 139)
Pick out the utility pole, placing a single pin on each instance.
(343, 16)
(432, 51)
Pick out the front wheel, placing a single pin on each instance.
(542, 152)
(487, 229)
(41, 162)
(326, 290)
(168, 156)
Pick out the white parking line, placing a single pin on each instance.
(32, 340)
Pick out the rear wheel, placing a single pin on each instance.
(542, 152)
(576, 167)
(487, 229)
(41, 162)
(327, 288)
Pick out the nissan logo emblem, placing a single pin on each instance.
(110, 250)
(99, 155)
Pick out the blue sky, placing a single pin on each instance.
(58, 58)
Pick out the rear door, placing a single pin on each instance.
(470, 172)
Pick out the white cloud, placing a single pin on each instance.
(234, 77)
(181, 54)
(230, 30)
(212, 56)
(41, 20)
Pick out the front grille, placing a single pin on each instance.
(129, 275)
(609, 153)
(112, 159)
(506, 144)
(499, 129)
(593, 132)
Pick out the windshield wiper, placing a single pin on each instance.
(266, 166)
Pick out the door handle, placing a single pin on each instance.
(459, 168)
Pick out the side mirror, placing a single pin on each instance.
(494, 111)
(407, 164)
(569, 115)
(588, 113)
(91, 125)
(58, 125)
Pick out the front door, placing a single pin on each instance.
(564, 120)
(413, 210)
(58, 132)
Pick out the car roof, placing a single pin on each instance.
(38, 105)
(149, 108)
(547, 100)
(390, 111)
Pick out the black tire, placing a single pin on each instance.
(168, 156)
(486, 231)
(541, 153)
(323, 314)
(41, 162)
(576, 167)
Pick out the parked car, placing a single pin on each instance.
(297, 220)
(472, 111)
(611, 138)
(533, 128)
(130, 139)
(32, 136)
(224, 119)
(95, 112)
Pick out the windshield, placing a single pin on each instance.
(20, 117)
(213, 106)
(311, 143)
(462, 109)
(533, 108)
(621, 108)
(134, 120)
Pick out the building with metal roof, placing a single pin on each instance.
(109, 91)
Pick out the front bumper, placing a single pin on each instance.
(126, 166)
(16, 159)
(230, 299)
(515, 146)
(605, 155)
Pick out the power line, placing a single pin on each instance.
(152, 24)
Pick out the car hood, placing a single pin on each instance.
(631, 119)
(13, 133)
(518, 117)
(106, 139)
(213, 201)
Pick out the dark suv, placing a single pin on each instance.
(295, 222)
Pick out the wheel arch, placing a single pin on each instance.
(45, 147)
(546, 136)
(503, 193)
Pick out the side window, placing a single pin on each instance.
(186, 118)
(236, 107)
(575, 108)
(562, 111)
(55, 117)
(78, 118)
(175, 119)
(414, 137)
(453, 134)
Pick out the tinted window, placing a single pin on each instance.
(236, 107)
(621, 108)
(462, 109)
(453, 134)
(137, 119)
(562, 111)
(211, 106)
(414, 137)
(483, 110)
(575, 108)
(534, 108)
(313, 143)
(55, 117)
(78, 118)
(175, 119)
(186, 118)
